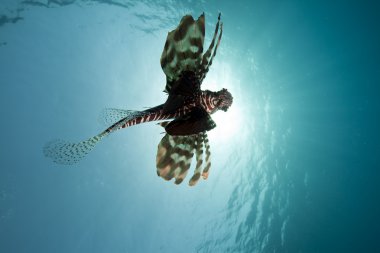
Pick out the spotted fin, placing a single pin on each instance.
(183, 53)
(64, 152)
(183, 49)
(110, 116)
(175, 153)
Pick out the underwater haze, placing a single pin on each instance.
(295, 160)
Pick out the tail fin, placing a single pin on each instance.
(63, 152)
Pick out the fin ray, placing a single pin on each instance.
(64, 152)
(110, 116)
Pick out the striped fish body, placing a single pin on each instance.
(204, 99)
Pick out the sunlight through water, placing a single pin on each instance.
(294, 160)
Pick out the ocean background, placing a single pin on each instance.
(295, 161)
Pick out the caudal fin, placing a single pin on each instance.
(63, 152)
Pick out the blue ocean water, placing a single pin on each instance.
(295, 161)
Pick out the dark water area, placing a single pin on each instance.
(295, 161)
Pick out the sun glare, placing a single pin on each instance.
(227, 123)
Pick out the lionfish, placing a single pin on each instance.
(185, 115)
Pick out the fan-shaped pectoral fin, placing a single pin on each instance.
(183, 49)
(174, 155)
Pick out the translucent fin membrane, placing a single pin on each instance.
(175, 153)
(64, 152)
(183, 49)
(174, 156)
(109, 116)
